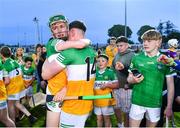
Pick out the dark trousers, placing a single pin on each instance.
(176, 108)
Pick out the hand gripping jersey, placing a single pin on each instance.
(3, 94)
(101, 78)
(28, 74)
(60, 80)
(80, 65)
(148, 93)
(14, 72)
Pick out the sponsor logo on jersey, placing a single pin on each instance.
(151, 62)
(99, 84)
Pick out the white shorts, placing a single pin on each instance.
(123, 99)
(52, 106)
(70, 120)
(29, 91)
(137, 113)
(17, 96)
(3, 104)
(104, 110)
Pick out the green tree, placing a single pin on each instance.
(131, 42)
(175, 35)
(169, 28)
(119, 30)
(168, 31)
(160, 27)
(142, 30)
(166, 27)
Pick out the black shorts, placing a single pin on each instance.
(177, 87)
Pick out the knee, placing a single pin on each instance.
(4, 119)
(100, 118)
(178, 99)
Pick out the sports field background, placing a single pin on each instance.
(40, 113)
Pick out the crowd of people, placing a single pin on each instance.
(69, 66)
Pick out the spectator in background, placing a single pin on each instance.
(37, 54)
(172, 52)
(111, 50)
(35, 58)
(176, 102)
(19, 56)
(15, 85)
(28, 77)
(99, 51)
(121, 65)
(105, 81)
(42, 58)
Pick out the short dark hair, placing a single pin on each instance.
(43, 45)
(38, 45)
(77, 24)
(28, 59)
(122, 39)
(104, 56)
(6, 51)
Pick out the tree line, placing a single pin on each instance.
(167, 29)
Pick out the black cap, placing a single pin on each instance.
(77, 24)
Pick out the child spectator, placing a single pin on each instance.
(106, 80)
(28, 76)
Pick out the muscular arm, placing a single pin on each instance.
(50, 69)
(170, 88)
(72, 44)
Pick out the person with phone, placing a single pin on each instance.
(147, 88)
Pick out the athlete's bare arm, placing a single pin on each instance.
(50, 69)
(170, 87)
(72, 44)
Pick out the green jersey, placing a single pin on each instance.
(51, 46)
(28, 73)
(108, 75)
(80, 65)
(2, 85)
(14, 72)
(148, 93)
(104, 77)
(1, 65)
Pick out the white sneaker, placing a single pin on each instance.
(121, 125)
